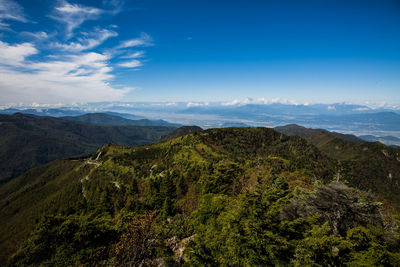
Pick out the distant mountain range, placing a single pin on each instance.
(53, 112)
(254, 115)
(180, 132)
(114, 120)
(103, 118)
(29, 140)
(388, 140)
(359, 120)
(63, 112)
(316, 136)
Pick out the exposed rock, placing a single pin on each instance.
(385, 153)
(116, 184)
(178, 246)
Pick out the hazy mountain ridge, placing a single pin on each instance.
(114, 120)
(340, 117)
(29, 140)
(317, 137)
(389, 140)
(53, 112)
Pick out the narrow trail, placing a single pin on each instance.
(94, 162)
(86, 178)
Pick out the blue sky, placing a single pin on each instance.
(320, 51)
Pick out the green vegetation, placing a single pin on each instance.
(28, 140)
(233, 196)
(180, 131)
(368, 166)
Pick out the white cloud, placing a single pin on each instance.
(128, 88)
(143, 40)
(14, 55)
(49, 87)
(331, 107)
(284, 101)
(382, 104)
(246, 101)
(11, 10)
(131, 64)
(361, 109)
(74, 15)
(197, 104)
(85, 43)
(164, 104)
(259, 101)
(61, 79)
(136, 54)
(235, 102)
(68, 71)
(36, 35)
(115, 5)
(171, 104)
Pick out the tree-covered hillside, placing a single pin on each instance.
(28, 140)
(369, 166)
(233, 196)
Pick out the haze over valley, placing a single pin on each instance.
(374, 123)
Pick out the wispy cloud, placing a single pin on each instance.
(49, 70)
(136, 54)
(87, 42)
(143, 40)
(131, 64)
(73, 15)
(115, 6)
(14, 55)
(11, 10)
(67, 78)
(37, 35)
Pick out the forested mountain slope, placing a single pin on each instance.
(232, 196)
(29, 140)
(366, 165)
(180, 131)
